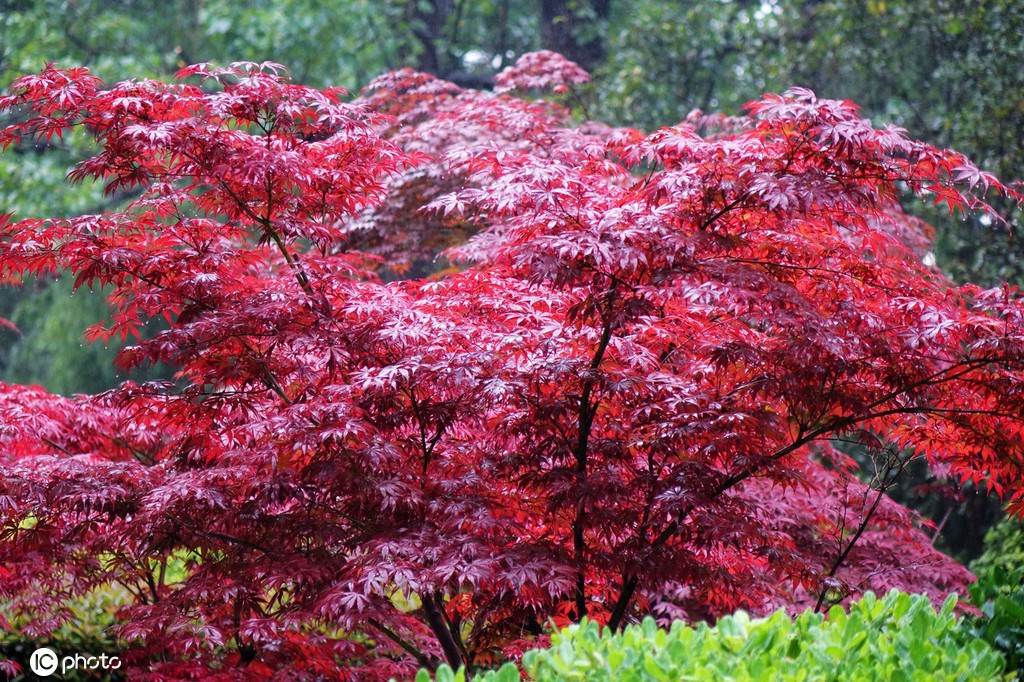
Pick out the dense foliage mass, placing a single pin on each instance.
(900, 637)
(627, 398)
(946, 70)
(999, 593)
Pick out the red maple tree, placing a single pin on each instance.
(630, 395)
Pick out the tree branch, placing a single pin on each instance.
(421, 658)
(946, 374)
(885, 482)
(586, 421)
(441, 631)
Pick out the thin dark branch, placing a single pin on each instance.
(421, 658)
(885, 481)
(587, 412)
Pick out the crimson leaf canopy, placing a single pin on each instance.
(634, 383)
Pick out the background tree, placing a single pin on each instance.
(576, 29)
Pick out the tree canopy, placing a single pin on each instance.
(945, 71)
(629, 396)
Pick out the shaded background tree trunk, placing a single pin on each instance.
(575, 29)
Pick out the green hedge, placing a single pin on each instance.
(899, 637)
(999, 593)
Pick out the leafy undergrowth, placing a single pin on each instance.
(999, 593)
(85, 630)
(899, 637)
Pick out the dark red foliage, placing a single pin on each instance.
(627, 398)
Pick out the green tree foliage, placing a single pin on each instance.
(54, 353)
(948, 71)
(323, 43)
(672, 57)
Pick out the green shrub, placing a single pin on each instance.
(900, 637)
(999, 593)
(86, 632)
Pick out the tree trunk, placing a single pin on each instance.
(428, 26)
(577, 34)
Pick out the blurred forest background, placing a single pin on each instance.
(949, 71)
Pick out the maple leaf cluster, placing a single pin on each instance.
(629, 395)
